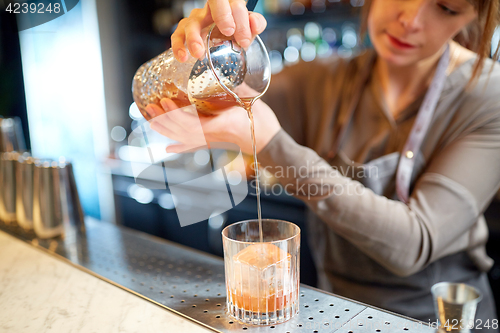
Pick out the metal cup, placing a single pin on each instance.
(72, 208)
(11, 135)
(455, 305)
(56, 204)
(47, 209)
(25, 170)
(8, 163)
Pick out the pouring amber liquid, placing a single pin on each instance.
(212, 105)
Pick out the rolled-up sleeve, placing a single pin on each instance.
(446, 201)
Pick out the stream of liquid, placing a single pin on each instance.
(213, 104)
(248, 108)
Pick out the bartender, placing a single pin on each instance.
(419, 114)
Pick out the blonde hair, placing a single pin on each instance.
(477, 36)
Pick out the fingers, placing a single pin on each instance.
(177, 148)
(179, 125)
(178, 39)
(188, 32)
(257, 23)
(171, 132)
(183, 118)
(230, 16)
(193, 39)
(222, 15)
(145, 114)
(174, 132)
(166, 124)
(242, 33)
(168, 105)
(154, 110)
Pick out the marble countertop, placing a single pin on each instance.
(39, 293)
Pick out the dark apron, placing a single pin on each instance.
(346, 270)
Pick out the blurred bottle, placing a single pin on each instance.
(276, 6)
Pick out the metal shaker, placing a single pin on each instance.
(8, 163)
(24, 191)
(11, 135)
(47, 209)
(72, 208)
(455, 305)
(56, 204)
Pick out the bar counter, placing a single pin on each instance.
(113, 279)
(40, 293)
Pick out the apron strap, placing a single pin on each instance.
(419, 129)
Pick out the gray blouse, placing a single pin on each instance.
(368, 245)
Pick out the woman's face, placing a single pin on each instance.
(404, 32)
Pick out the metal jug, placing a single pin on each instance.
(56, 205)
(8, 163)
(25, 170)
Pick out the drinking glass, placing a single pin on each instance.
(262, 278)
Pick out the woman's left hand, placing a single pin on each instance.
(194, 130)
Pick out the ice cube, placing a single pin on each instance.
(258, 266)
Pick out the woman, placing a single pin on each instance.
(397, 199)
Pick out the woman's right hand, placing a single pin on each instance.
(230, 16)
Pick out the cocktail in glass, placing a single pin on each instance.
(262, 278)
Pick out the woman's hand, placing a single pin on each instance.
(230, 16)
(193, 130)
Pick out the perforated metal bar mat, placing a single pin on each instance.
(191, 283)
